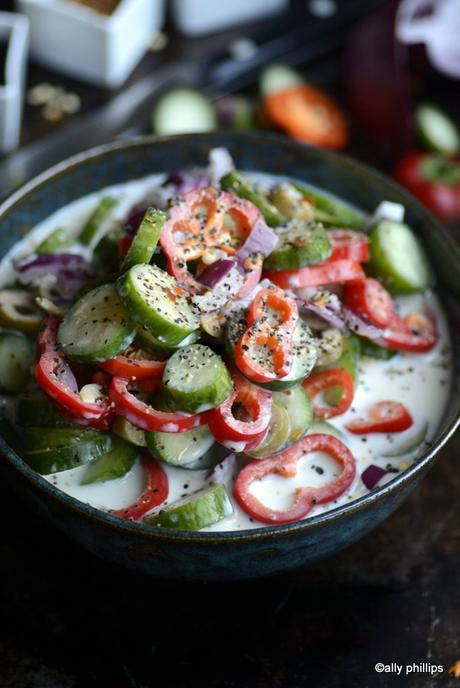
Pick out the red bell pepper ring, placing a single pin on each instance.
(369, 299)
(272, 319)
(329, 272)
(199, 222)
(329, 379)
(385, 416)
(285, 464)
(146, 417)
(134, 366)
(56, 379)
(154, 494)
(256, 402)
(434, 179)
(348, 245)
(415, 332)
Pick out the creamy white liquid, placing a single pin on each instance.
(420, 381)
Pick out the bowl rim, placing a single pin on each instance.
(266, 532)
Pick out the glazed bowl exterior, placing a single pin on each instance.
(245, 554)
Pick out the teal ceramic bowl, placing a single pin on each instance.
(232, 555)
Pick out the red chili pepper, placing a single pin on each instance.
(369, 299)
(204, 219)
(272, 319)
(434, 179)
(146, 417)
(385, 416)
(155, 493)
(348, 245)
(56, 379)
(285, 465)
(329, 379)
(329, 272)
(256, 402)
(134, 366)
(415, 332)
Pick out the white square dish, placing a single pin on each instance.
(78, 41)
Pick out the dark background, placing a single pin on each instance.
(69, 620)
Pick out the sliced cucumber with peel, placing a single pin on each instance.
(62, 457)
(55, 241)
(145, 240)
(436, 130)
(183, 111)
(398, 259)
(300, 243)
(115, 464)
(16, 359)
(278, 434)
(127, 431)
(199, 510)
(181, 449)
(299, 408)
(330, 210)
(155, 300)
(409, 444)
(234, 182)
(322, 427)
(196, 378)
(37, 410)
(149, 342)
(348, 361)
(96, 219)
(97, 327)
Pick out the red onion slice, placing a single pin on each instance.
(261, 239)
(46, 263)
(216, 272)
(359, 326)
(329, 316)
(372, 475)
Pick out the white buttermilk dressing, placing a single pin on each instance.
(420, 381)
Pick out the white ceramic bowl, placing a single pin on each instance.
(78, 41)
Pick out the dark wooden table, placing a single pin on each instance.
(70, 620)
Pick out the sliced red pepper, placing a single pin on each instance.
(56, 379)
(256, 402)
(369, 299)
(307, 114)
(348, 245)
(146, 417)
(285, 465)
(124, 244)
(434, 179)
(329, 272)
(415, 332)
(154, 494)
(134, 364)
(272, 319)
(204, 219)
(329, 379)
(385, 416)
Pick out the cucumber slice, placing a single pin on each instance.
(115, 464)
(96, 328)
(195, 379)
(127, 431)
(200, 510)
(299, 244)
(183, 111)
(299, 409)
(291, 202)
(106, 253)
(149, 342)
(436, 130)
(180, 448)
(373, 350)
(409, 444)
(397, 258)
(16, 360)
(38, 410)
(323, 427)
(145, 240)
(47, 461)
(278, 78)
(96, 219)
(19, 311)
(55, 241)
(349, 360)
(36, 439)
(236, 184)
(278, 434)
(330, 210)
(155, 299)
